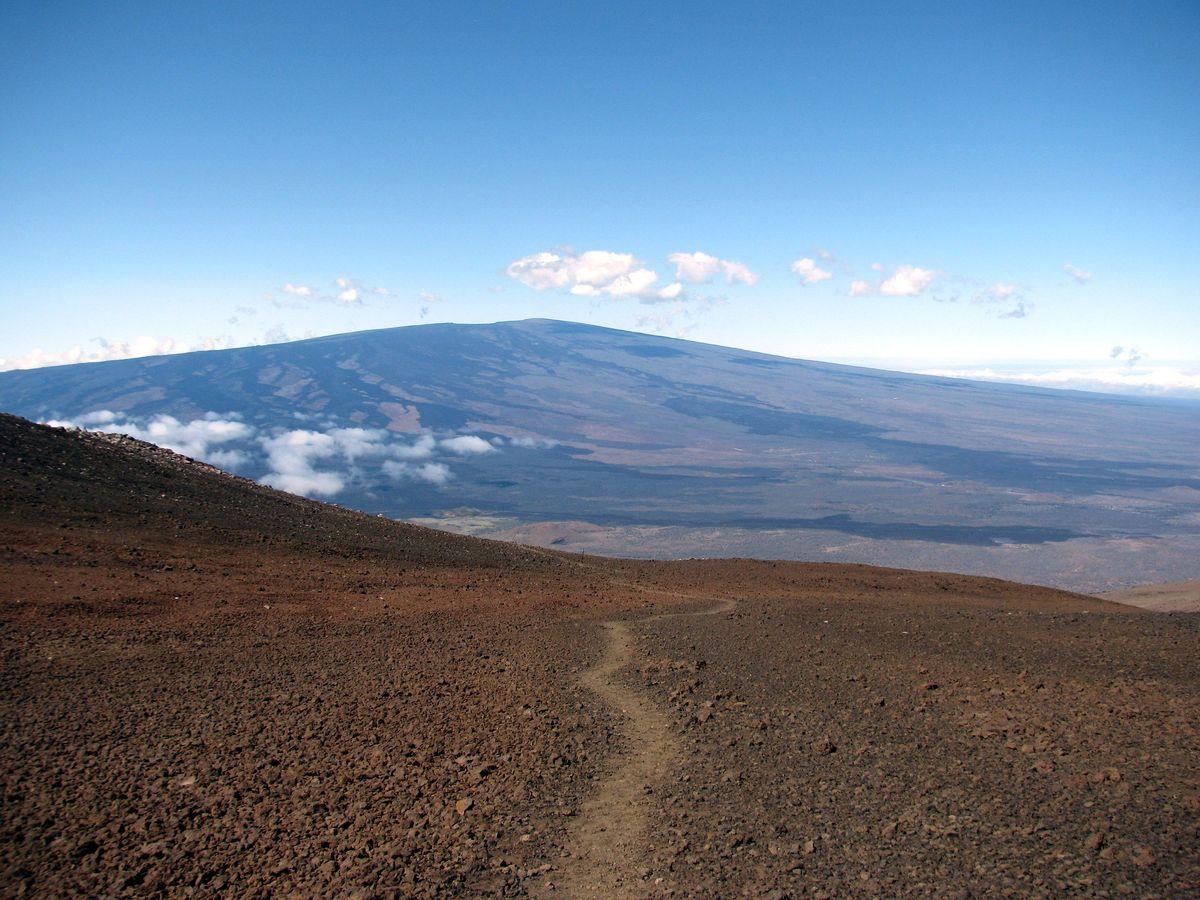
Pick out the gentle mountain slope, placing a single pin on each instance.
(592, 439)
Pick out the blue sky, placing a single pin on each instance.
(167, 169)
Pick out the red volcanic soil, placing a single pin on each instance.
(210, 686)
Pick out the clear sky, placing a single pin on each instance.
(940, 185)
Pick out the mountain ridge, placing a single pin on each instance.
(541, 321)
(647, 445)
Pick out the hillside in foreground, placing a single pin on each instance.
(212, 686)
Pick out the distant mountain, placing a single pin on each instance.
(608, 441)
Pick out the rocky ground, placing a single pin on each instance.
(212, 687)
(858, 745)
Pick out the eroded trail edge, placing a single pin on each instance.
(609, 840)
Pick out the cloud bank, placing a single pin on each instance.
(1161, 381)
(204, 438)
(102, 350)
(307, 461)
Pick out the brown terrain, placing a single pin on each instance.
(213, 687)
(1175, 596)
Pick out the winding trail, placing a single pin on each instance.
(608, 843)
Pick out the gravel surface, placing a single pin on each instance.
(860, 745)
(210, 687)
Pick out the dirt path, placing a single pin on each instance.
(609, 840)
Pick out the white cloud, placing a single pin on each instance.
(349, 292)
(354, 443)
(1080, 275)
(859, 288)
(638, 283)
(346, 291)
(97, 417)
(135, 348)
(293, 457)
(700, 268)
(301, 460)
(467, 445)
(306, 461)
(307, 483)
(1002, 291)
(593, 268)
(196, 438)
(434, 473)
(593, 273)
(809, 272)
(431, 473)
(533, 443)
(1144, 380)
(190, 438)
(230, 460)
(108, 350)
(907, 281)
(421, 448)
(201, 438)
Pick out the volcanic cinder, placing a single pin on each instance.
(210, 686)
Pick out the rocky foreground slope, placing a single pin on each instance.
(211, 686)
